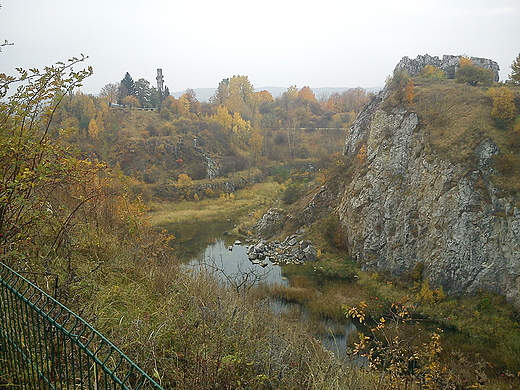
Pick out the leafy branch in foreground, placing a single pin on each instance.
(34, 162)
(405, 357)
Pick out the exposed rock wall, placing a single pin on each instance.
(404, 206)
(449, 64)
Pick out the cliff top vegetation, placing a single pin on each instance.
(456, 115)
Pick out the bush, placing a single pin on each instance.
(432, 72)
(293, 193)
(474, 75)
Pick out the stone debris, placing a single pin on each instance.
(292, 250)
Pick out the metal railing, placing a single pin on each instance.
(44, 345)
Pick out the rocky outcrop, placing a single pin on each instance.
(406, 206)
(292, 250)
(449, 64)
(271, 223)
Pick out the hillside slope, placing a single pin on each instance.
(425, 185)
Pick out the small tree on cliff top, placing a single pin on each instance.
(515, 70)
(470, 74)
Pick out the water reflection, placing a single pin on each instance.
(229, 262)
(204, 245)
(334, 335)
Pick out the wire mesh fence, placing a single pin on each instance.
(44, 345)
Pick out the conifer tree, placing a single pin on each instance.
(515, 70)
(126, 87)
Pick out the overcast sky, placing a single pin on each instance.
(197, 43)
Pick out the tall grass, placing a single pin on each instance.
(192, 332)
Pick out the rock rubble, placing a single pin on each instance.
(293, 250)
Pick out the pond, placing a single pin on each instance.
(208, 245)
(229, 260)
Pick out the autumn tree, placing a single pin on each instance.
(35, 166)
(504, 110)
(409, 91)
(184, 181)
(465, 61)
(131, 101)
(397, 85)
(288, 98)
(240, 97)
(515, 70)
(241, 128)
(190, 101)
(263, 96)
(432, 72)
(306, 95)
(93, 129)
(263, 101)
(468, 73)
(354, 99)
(334, 103)
(110, 92)
(221, 94)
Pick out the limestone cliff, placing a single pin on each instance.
(448, 63)
(402, 203)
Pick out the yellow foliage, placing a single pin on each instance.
(433, 72)
(240, 127)
(428, 295)
(93, 129)
(465, 61)
(409, 91)
(131, 101)
(184, 181)
(362, 154)
(223, 118)
(503, 103)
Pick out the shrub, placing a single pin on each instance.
(293, 192)
(474, 75)
(432, 72)
(504, 110)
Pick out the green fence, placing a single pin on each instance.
(43, 345)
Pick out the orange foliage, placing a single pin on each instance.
(362, 154)
(409, 91)
(306, 94)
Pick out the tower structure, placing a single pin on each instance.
(160, 81)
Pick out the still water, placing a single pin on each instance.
(229, 260)
(207, 246)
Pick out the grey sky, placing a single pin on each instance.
(328, 43)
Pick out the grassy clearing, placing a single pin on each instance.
(455, 118)
(248, 203)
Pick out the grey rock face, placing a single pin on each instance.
(449, 64)
(406, 207)
(271, 223)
